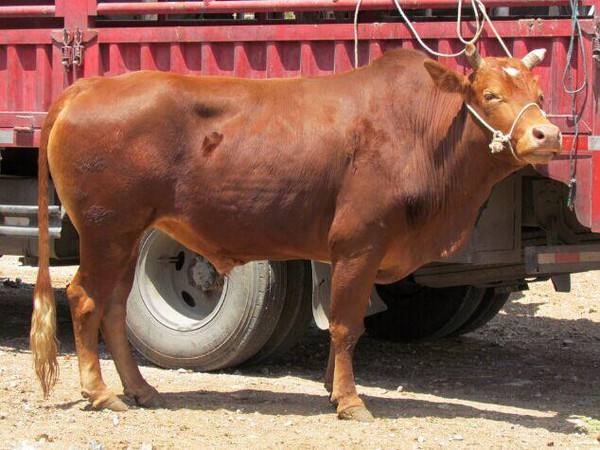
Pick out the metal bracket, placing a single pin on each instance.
(29, 128)
(78, 48)
(66, 50)
(72, 45)
(561, 282)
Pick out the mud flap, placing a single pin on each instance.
(321, 298)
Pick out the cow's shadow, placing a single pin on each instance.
(522, 369)
(280, 403)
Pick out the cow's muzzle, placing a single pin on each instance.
(540, 143)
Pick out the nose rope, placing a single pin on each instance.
(499, 139)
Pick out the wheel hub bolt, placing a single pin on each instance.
(203, 275)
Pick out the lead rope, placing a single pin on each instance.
(478, 8)
(499, 139)
(572, 91)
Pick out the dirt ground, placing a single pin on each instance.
(529, 379)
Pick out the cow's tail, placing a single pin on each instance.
(44, 344)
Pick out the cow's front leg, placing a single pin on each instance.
(352, 281)
(328, 379)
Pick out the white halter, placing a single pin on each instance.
(499, 139)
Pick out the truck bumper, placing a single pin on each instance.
(561, 259)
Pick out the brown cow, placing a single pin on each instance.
(379, 171)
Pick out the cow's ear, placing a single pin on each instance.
(444, 78)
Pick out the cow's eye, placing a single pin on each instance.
(541, 99)
(490, 96)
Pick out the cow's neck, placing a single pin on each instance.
(459, 169)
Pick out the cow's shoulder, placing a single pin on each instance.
(401, 56)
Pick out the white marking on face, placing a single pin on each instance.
(511, 71)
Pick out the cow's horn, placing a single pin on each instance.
(473, 56)
(534, 57)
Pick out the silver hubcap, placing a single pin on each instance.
(180, 288)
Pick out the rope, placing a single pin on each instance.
(478, 8)
(499, 139)
(572, 91)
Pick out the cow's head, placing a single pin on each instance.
(498, 90)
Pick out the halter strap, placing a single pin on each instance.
(499, 139)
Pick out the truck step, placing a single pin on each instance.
(6, 230)
(19, 221)
(27, 210)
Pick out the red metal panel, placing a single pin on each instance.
(375, 50)
(27, 58)
(121, 58)
(3, 78)
(317, 58)
(548, 29)
(250, 60)
(93, 61)
(14, 100)
(289, 5)
(42, 79)
(558, 102)
(25, 36)
(155, 57)
(192, 54)
(283, 59)
(75, 13)
(452, 46)
(31, 73)
(218, 58)
(58, 72)
(27, 11)
(344, 56)
(227, 50)
(10, 119)
(363, 53)
(177, 59)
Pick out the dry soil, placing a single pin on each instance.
(529, 379)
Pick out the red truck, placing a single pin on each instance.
(539, 224)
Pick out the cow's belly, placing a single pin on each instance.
(442, 236)
(246, 210)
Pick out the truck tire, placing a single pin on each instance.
(180, 313)
(296, 315)
(419, 313)
(490, 305)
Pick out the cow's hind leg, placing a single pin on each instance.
(352, 281)
(85, 301)
(90, 294)
(115, 335)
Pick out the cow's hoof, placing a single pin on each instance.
(152, 399)
(358, 413)
(113, 403)
(104, 399)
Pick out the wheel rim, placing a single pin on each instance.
(180, 288)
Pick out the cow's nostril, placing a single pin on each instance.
(538, 134)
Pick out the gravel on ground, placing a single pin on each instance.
(529, 379)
